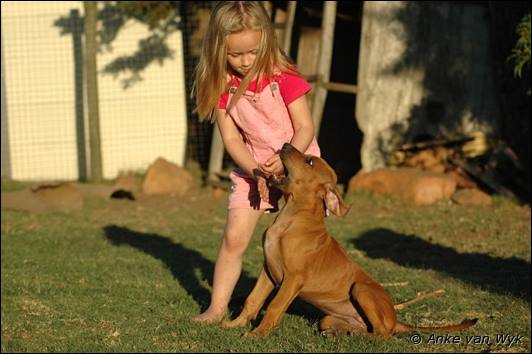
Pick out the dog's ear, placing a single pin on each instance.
(333, 202)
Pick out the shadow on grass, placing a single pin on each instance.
(495, 274)
(183, 262)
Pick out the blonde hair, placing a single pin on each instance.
(211, 72)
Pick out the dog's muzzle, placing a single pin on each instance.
(274, 181)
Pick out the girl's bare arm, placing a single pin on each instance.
(302, 121)
(234, 144)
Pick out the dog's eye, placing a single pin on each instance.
(310, 161)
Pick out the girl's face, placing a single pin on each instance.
(242, 49)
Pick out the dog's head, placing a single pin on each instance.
(309, 179)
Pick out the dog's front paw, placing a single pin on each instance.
(237, 322)
(257, 332)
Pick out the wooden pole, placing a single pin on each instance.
(216, 156)
(287, 40)
(324, 62)
(91, 50)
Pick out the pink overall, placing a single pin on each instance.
(265, 125)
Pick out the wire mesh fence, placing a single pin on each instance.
(142, 92)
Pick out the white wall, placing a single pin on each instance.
(137, 124)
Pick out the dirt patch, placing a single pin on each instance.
(45, 198)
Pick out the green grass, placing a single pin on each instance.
(123, 276)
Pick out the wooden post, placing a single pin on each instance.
(77, 50)
(91, 50)
(288, 26)
(6, 153)
(216, 156)
(324, 62)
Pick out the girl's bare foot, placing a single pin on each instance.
(210, 316)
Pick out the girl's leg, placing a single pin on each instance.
(240, 226)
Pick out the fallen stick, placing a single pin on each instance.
(420, 297)
(404, 283)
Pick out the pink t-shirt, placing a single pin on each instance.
(291, 87)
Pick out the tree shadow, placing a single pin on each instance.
(184, 262)
(495, 274)
(160, 17)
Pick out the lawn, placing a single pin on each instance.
(127, 276)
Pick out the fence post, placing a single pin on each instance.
(77, 49)
(91, 50)
(6, 150)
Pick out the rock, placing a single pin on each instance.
(164, 177)
(462, 179)
(411, 185)
(471, 196)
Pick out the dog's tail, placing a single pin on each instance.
(403, 327)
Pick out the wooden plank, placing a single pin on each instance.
(341, 87)
(308, 53)
(334, 86)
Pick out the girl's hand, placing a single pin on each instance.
(262, 185)
(273, 166)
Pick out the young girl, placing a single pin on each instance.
(257, 98)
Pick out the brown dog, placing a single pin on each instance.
(303, 260)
